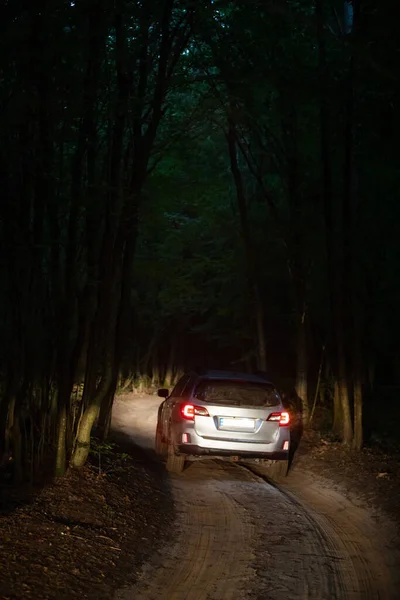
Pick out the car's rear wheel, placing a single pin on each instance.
(277, 470)
(160, 446)
(175, 463)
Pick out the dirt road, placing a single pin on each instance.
(239, 537)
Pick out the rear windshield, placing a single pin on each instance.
(237, 393)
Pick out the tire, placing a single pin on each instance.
(160, 446)
(278, 470)
(175, 464)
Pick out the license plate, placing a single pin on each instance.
(236, 423)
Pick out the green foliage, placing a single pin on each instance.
(121, 242)
(106, 459)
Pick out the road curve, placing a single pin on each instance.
(239, 537)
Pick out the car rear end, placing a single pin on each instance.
(232, 417)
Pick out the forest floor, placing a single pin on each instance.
(373, 475)
(89, 533)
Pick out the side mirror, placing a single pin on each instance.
(163, 393)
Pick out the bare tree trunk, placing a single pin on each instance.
(68, 350)
(16, 419)
(335, 267)
(248, 247)
(349, 271)
(337, 425)
(61, 449)
(318, 388)
(155, 368)
(358, 407)
(169, 375)
(17, 449)
(145, 362)
(103, 339)
(347, 428)
(6, 422)
(261, 346)
(82, 445)
(105, 413)
(302, 367)
(358, 418)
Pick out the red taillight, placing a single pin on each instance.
(282, 417)
(188, 411)
(285, 418)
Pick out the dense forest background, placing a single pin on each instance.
(211, 183)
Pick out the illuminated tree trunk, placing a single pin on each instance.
(82, 444)
(169, 375)
(358, 398)
(337, 424)
(105, 413)
(347, 425)
(302, 367)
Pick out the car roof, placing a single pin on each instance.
(233, 375)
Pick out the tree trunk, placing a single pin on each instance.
(347, 428)
(61, 452)
(337, 424)
(6, 422)
(82, 444)
(302, 370)
(145, 362)
(261, 346)
(335, 267)
(358, 414)
(105, 413)
(319, 387)
(358, 395)
(248, 247)
(69, 350)
(17, 450)
(155, 369)
(169, 375)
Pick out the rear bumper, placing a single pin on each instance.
(192, 449)
(197, 445)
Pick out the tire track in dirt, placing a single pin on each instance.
(211, 556)
(299, 563)
(238, 538)
(364, 548)
(371, 560)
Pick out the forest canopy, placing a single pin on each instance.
(187, 183)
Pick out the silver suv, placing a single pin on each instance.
(223, 414)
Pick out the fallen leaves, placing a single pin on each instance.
(84, 536)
